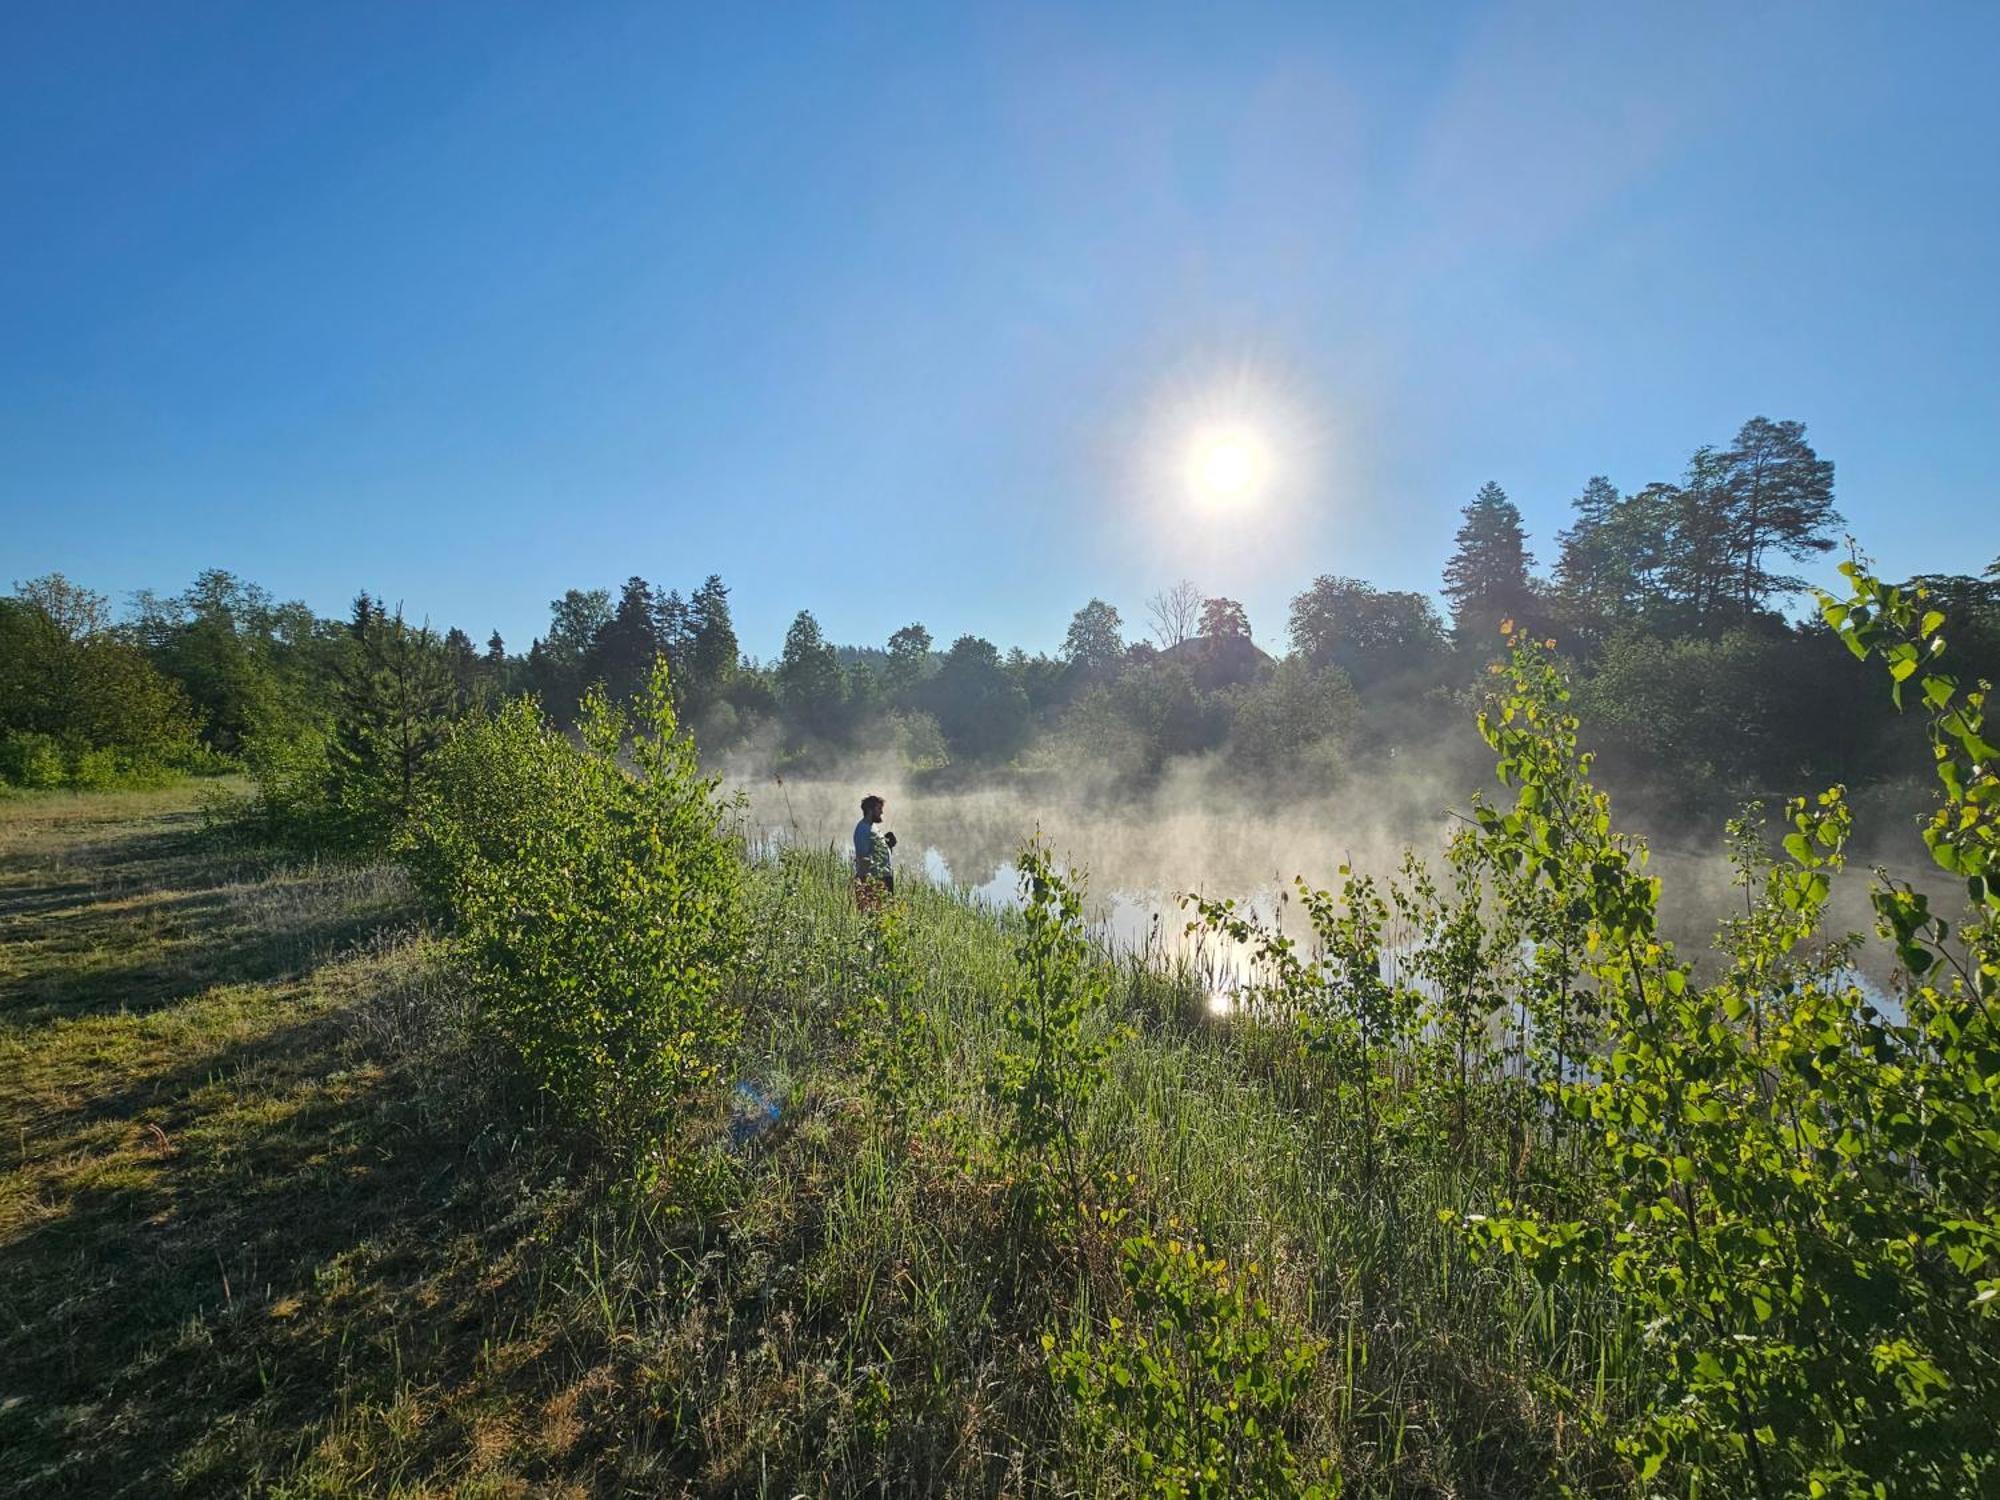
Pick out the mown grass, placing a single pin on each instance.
(271, 1221)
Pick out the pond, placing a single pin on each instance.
(1140, 856)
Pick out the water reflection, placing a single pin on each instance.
(1140, 858)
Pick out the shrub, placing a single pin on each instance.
(597, 908)
(1191, 1395)
(1057, 1051)
(891, 1034)
(30, 760)
(1349, 1014)
(1790, 1191)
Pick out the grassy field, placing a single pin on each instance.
(272, 1222)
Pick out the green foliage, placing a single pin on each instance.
(1458, 957)
(1952, 997)
(908, 664)
(1223, 619)
(1094, 644)
(32, 761)
(396, 696)
(621, 653)
(80, 704)
(893, 1040)
(255, 669)
(349, 788)
(808, 680)
(1371, 634)
(1190, 1394)
(1763, 1196)
(1058, 1043)
(596, 909)
(1486, 578)
(712, 656)
(1693, 703)
(981, 712)
(1346, 1011)
(1296, 720)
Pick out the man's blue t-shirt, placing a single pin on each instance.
(871, 854)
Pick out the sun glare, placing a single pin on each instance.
(1228, 465)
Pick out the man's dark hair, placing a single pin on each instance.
(868, 802)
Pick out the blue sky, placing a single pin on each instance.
(908, 312)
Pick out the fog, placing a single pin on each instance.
(1197, 830)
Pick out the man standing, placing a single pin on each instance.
(874, 876)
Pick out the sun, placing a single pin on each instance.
(1228, 464)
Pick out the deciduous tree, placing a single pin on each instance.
(1094, 645)
(1175, 613)
(810, 690)
(1221, 618)
(1371, 634)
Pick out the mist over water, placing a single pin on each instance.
(1197, 831)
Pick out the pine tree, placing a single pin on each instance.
(1780, 501)
(1486, 579)
(1700, 567)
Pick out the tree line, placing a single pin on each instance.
(1667, 601)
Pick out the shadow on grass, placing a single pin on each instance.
(72, 951)
(169, 848)
(302, 1233)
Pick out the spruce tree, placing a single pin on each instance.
(463, 662)
(493, 671)
(622, 656)
(713, 654)
(394, 699)
(1486, 579)
(670, 629)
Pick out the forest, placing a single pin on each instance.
(1667, 604)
